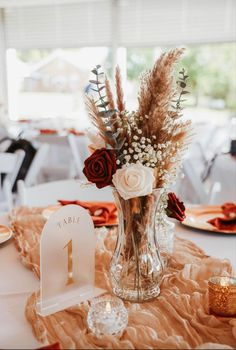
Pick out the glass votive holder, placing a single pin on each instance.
(107, 316)
(222, 295)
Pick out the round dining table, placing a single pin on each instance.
(18, 282)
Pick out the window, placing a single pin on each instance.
(51, 83)
(212, 78)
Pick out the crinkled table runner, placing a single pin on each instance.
(178, 318)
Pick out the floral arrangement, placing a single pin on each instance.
(140, 150)
(139, 154)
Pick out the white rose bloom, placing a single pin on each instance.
(133, 180)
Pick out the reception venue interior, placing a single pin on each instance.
(117, 174)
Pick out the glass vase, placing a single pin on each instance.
(164, 230)
(165, 236)
(136, 268)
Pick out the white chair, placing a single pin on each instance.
(192, 189)
(57, 165)
(37, 164)
(79, 149)
(49, 193)
(223, 172)
(10, 164)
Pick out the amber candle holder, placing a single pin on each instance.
(222, 295)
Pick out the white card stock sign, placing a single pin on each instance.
(67, 260)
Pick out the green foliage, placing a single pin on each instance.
(182, 82)
(107, 115)
(211, 68)
(138, 60)
(33, 55)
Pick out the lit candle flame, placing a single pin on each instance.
(108, 307)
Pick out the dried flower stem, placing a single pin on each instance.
(119, 91)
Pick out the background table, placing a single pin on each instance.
(222, 246)
(17, 283)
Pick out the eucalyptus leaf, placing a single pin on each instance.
(102, 97)
(120, 144)
(101, 88)
(182, 84)
(108, 146)
(107, 114)
(116, 134)
(103, 105)
(96, 82)
(121, 157)
(110, 136)
(111, 122)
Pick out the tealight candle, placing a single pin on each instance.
(222, 295)
(107, 316)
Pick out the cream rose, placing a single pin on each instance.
(133, 180)
(97, 141)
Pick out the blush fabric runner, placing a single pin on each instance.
(178, 318)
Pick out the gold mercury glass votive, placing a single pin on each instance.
(222, 295)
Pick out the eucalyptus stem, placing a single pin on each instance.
(100, 95)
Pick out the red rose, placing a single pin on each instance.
(175, 208)
(100, 167)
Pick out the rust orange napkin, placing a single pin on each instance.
(75, 132)
(103, 213)
(48, 131)
(228, 222)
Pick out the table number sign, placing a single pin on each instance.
(67, 260)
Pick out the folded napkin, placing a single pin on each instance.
(103, 213)
(228, 222)
(229, 210)
(75, 132)
(24, 120)
(48, 131)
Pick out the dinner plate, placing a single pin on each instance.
(198, 216)
(5, 233)
(47, 212)
(113, 222)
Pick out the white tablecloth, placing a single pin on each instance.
(17, 283)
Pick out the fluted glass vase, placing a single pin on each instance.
(164, 230)
(165, 236)
(136, 268)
